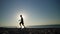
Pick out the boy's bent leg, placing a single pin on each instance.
(20, 24)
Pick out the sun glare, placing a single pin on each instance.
(24, 15)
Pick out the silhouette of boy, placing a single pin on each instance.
(22, 22)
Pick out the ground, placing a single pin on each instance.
(30, 31)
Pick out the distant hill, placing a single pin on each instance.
(45, 26)
(37, 26)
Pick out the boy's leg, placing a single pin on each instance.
(23, 25)
(20, 24)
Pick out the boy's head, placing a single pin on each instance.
(20, 15)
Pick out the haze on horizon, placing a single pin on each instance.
(35, 12)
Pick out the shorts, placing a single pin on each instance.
(21, 23)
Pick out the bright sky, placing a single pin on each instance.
(35, 12)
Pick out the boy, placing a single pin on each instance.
(22, 22)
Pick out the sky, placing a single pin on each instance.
(35, 12)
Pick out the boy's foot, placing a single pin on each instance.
(24, 27)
